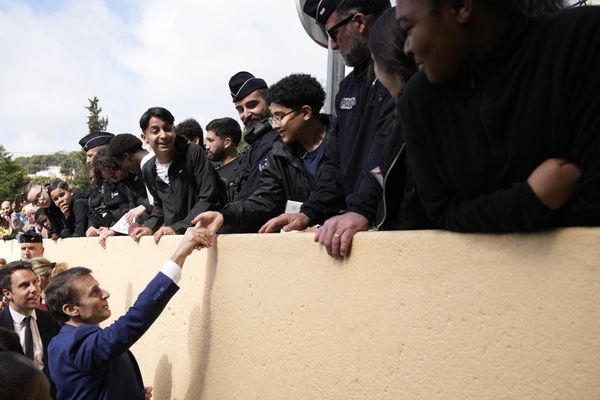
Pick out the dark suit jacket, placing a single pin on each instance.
(46, 325)
(87, 362)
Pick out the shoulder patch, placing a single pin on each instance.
(264, 163)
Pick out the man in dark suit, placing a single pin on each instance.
(88, 362)
(20, 286)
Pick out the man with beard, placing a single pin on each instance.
(223, 135)
(248, 93)
(364, 111)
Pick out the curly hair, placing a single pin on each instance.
(124, 143)
(104, 162)
(297, 90)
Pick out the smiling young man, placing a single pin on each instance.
(20, 286)
(501, 123)
(179, 177)
(88, 362)
(290, 169)
(364, 112)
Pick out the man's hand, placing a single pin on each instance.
(134, 214)
(163, 230)
(140, 231)
(337, 232)
(91, 231)
(211, 220)
(554, 182)
(194, 238)
(147, 392)
(103, 235)
(287, 222)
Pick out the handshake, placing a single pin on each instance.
(200, 236)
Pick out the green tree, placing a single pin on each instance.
(74, 168)
(12, 177)
(95, 121)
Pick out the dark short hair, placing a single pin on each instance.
(157, 112)
(226, 128)
(7, 271)
(20, 378)
(190, 129)
(58, 185)
(297, 90)
(39, 212)
(124, 143)
(386, 42)
(9, 341)
(60, 292)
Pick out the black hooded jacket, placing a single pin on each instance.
(194, 187)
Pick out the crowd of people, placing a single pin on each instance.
(470, 116)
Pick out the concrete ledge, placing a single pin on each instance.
(410, 315)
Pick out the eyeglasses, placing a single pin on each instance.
(332, 32)
(277, 119)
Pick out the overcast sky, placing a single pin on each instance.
(134, 54)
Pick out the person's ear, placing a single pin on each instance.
(227, 143)
(461, 9)
(362, 21)
(71, 310)
(7, 293)
(307, 112)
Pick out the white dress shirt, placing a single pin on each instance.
(19, 324)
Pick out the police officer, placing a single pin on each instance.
(364, 111)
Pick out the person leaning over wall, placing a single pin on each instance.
(179, 177)
(500, 121)
(291, 168)
(364, 113)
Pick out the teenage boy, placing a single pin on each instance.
(290, 169)
(179, 178)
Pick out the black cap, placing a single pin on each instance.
(30, 237)
(243, 83)
(95, 139)
(320, 10)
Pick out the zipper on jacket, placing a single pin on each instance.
(385, 185)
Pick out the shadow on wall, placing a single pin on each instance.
(164, 375)
(200, 327)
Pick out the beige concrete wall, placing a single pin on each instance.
(411, 315)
